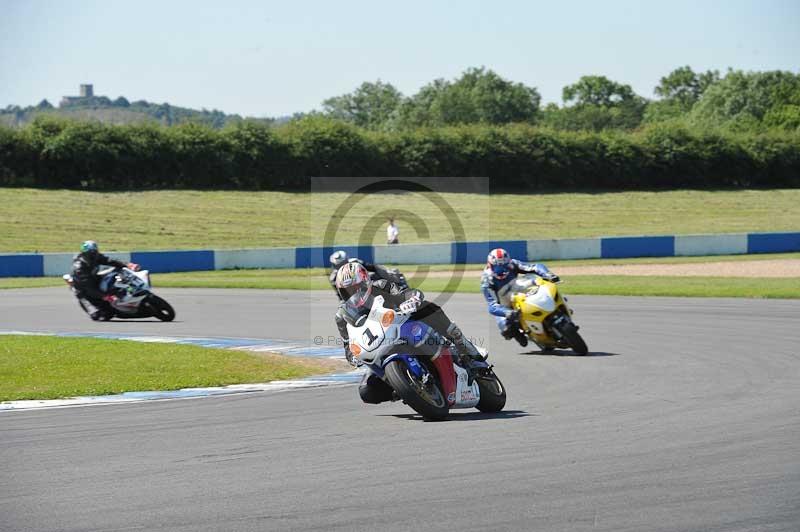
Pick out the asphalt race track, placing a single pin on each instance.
(685, 417)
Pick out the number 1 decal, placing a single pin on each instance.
(370, 337)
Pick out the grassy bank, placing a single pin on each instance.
(41, 367)
(58, 220)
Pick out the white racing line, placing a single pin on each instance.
(241, 344)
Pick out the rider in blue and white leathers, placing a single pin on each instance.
(496, 284)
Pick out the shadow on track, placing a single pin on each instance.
(468, 416)
(138, 320)
(569, 353)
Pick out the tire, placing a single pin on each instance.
(160, 308)
(493, 393)
(433, 408)
(573, 338)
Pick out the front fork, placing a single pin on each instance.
(442, 364)
(557, 322)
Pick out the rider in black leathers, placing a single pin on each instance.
(372, 389)
(91, 299)
(376, 271)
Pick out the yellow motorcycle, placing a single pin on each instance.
(544, 315)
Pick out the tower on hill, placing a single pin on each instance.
(86, 91)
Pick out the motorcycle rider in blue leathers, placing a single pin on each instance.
(500, 272)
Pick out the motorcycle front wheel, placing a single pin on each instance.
(160, 308)
(574, 339)
(424, 396)
(493, 393)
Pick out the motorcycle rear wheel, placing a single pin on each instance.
(160, 308)
(426, 398)
(493, 393)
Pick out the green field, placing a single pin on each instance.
(43, 367)
(58, 220)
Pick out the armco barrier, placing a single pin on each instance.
(52, 264)
(29, 265)
(56, 264)
(226, 259)
(174, 261)
(686, 245)
(565, 249)
(637, 246)
(773, 242)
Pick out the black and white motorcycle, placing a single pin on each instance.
(132, 289)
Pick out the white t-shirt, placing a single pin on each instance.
(392, 232)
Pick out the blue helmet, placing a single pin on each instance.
(499, 262)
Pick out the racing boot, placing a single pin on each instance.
(513, 330)
(466, 351)
(520, 337)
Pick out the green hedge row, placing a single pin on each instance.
(67, 154)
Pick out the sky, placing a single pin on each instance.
(261, 58)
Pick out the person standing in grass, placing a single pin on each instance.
(392, 233)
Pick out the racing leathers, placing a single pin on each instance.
(497, 293)
(372, 389)
(86, 284)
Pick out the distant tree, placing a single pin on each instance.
(684, 86)
(369, 106)
(44, 104)
(679, 91)
(100, 101)
(422, 109)
(751, 100)
(481, 95)
(121, 102)
(478, 96)
(595, 103)
(597, 90)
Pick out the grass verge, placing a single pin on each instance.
(187, 219)
(45, 367)
(629, 285)
(640, 285)
(316, 279)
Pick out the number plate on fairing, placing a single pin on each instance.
(376, 340)
(466, 396)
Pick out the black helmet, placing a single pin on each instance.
(90, 248)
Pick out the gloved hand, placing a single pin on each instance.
(553, 278)
(410, 305)
(349, 356)
(110, 298)
(133, 266)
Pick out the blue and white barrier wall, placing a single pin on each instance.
(52, 264)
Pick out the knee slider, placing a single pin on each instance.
(374, 391)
